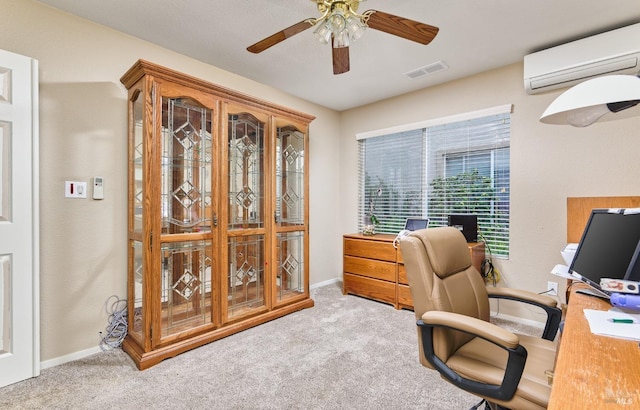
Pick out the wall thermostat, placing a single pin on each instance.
(98, 188)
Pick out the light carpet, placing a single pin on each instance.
(346, 352)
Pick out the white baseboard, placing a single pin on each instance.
(325, 283)
(69, 358)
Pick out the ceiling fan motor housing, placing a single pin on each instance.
(344, 5)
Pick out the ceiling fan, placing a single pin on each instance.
(340, 23)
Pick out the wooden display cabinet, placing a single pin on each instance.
(373, 268)
(218, 212)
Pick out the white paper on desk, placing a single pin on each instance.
(601, 323)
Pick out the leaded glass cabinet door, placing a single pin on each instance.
(247, 213)
(172, 214)
(187, 214)
(291, 204)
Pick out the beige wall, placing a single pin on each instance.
(548, 164)
(83, 134)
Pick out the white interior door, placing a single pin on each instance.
(19, 295)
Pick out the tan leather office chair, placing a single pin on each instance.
(451, 303)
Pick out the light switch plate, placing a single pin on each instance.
(75, 189)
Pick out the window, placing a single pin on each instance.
(438, 168)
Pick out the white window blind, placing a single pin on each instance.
(452, 168)
(392, 179)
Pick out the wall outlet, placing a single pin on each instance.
(552, 288)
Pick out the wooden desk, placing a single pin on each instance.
(594, 371)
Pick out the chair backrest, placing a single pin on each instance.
(441, 277)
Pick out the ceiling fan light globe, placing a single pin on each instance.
(355, 27)
(337, 21)
(341, 39)
(323, 33)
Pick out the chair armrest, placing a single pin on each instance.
(546, 303)
(523, 295)
(485, 330)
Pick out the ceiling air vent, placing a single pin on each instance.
(428, 69)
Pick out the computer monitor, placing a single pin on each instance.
(467, 224)
(607, 247)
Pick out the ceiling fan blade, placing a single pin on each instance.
(274, 39)
(340, 60)
(402, 27)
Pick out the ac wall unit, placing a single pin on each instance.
(613, 52)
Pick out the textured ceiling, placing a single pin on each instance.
(475, 36)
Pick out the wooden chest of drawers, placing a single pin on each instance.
(374, 269)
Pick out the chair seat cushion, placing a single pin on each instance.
(471, 361)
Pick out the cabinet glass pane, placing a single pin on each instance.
(290, 177)
(136, 157)
(138, 280)
(186, 286)
(186, 166)
(246, 171)
(246, 274)
(290, 277)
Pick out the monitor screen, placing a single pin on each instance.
(413, 224)
(607, 247)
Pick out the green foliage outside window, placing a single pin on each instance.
(470, 193)
(465, 193)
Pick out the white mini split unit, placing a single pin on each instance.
(613, 52)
